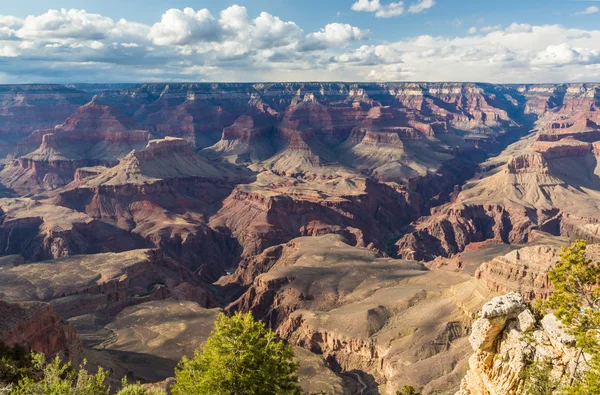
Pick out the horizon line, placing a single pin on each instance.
(299, 82)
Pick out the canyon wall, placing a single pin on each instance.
(37, 327)
(291, 200)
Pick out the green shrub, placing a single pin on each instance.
(56, 378)
(15, 364)
(537, 380)
(575, 302)
(408, 390)
(138, 389)
(241, 356)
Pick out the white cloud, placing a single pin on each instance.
(184, 27)
(519, 28)
(129, 31)
(564, 54)
(10, 21)
(590, 10)
(520, 53)
(487, 29)
(63, 24)
(71, 28)
(334, 34)
(270, 31)
(235, 18)
(391, 72)
(380, 10)
(421, 6)
(366, 5)
(8, 50)
(61, 46)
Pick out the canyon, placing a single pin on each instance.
(367, 224)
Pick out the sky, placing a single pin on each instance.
(498, 41)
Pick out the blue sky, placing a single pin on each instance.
(359, 40)
(314, 14)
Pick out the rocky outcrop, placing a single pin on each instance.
(361, 210)
(567, 147)
(40, 230)
(26, 108)
(545, 186)
(247, 140)
(470, 107)
(192, 120)
(159, 160)
(107, 121)
(505, 339)
(524, 270)
(102, 283)
(578, 125)
(162, 194)
(527, 163)
(362, 311)
(448, 232)
(37, 327)
(94, 135)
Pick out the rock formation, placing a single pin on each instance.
(364, 312)
(547, 187)
(26, 108)
(276, 209)
(37, 327)
(94, 135)
(164, 195)
(505, 339)
(247, 140)
(545, 182)
(102, 283)
(40, 230)
(524, 270)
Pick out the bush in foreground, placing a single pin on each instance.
(15, 364)
(138, 389)
(408, 390)
(56, 378)
(576, 302)
(241, 356)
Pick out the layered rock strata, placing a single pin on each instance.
(364, 312)
(37, 327)
(505, 339)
